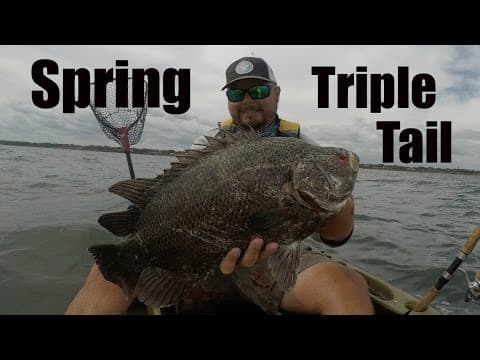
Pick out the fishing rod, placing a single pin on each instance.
(121, 124)
(473, 291)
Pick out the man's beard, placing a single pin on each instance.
(254, 117)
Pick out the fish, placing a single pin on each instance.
(184, 221)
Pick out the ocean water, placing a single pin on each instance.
(408, 225)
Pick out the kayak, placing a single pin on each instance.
(387, 299)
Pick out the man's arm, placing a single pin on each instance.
(99, 297)
(339, 228)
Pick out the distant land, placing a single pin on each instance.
(419, 169)
(135, 150)
(101, 148)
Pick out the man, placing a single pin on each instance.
(322, 287)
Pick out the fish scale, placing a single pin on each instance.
(190, 218)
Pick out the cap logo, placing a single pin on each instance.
(244, 67)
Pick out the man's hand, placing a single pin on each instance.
(252, 255)
(337, 229)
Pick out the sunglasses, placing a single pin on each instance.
(256, 92)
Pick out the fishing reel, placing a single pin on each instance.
(473, 287)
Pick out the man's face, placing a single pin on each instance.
(256, 113)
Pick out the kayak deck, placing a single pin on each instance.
(387, 300)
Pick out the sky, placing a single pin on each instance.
(456, 70)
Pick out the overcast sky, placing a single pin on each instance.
(456, 70)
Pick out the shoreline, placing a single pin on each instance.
(99, 148)
(423, 169)
(169, 152)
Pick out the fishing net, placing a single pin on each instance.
(121, 124)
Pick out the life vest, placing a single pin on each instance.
(285, 128)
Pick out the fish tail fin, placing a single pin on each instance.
(114, 267)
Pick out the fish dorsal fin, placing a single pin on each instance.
(226, 139)
(139, 191)
(191, 156)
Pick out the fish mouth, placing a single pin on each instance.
(354, 162)
(312, 202)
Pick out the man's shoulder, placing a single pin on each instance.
(288, 125)
(292, 128)
(201, 141)
(307, 139)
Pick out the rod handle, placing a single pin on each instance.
(471, 242)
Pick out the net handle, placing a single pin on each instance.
(123, 133)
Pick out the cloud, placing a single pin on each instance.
(456, 70)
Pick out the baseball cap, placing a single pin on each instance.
(249, 68)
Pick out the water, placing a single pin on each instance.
(409, 226)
